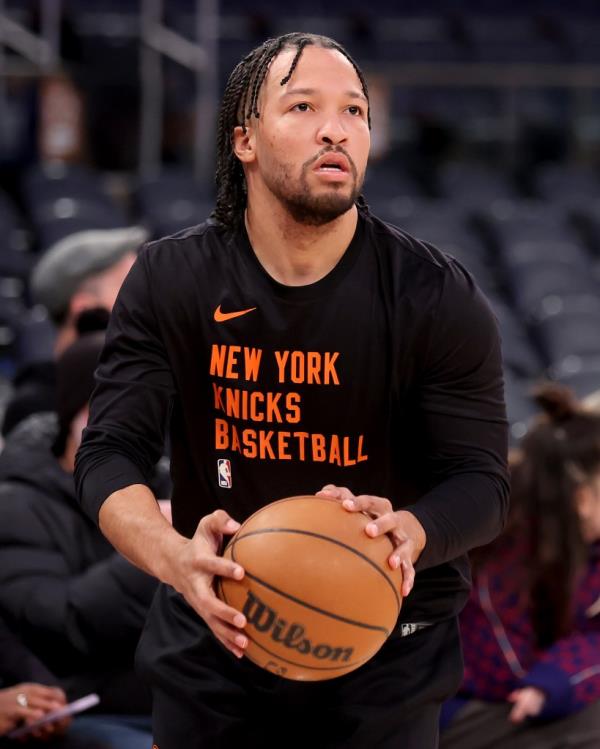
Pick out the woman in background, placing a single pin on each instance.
(531, 629)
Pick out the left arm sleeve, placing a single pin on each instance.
(462, 404)
(569, 674)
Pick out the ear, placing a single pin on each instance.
(244, 143)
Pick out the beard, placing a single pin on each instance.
(305, 207)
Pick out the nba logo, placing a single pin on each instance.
(224, 473)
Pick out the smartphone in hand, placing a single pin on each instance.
(78, 706)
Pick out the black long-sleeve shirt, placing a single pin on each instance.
(384, 376)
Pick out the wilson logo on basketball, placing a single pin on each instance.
(266, 620)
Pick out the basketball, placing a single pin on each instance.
(319, 596)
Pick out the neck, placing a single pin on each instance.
(296, 254)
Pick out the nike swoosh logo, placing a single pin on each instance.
(224, 316)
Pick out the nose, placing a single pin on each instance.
(332, 132)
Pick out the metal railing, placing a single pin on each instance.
(39, 54)
(200, 57)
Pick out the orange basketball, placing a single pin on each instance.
(319, 595)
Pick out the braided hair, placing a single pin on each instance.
(240, 103)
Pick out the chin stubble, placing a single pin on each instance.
(315, 210)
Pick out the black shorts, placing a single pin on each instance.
(205, 698)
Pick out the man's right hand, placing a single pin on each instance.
(131, 520)
(192, 574)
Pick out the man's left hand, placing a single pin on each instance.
(406, 532)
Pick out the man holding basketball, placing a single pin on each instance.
(295, 342)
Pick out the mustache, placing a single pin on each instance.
(332, 149)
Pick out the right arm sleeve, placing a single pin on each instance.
(134, 390)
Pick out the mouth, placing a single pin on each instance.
(332, 163)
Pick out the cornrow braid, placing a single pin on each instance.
(301, 46)
(240, 104)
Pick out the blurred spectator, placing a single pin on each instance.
(592, 401)
(28, 690)
(531, 629)
(60, 120)
(76, 603)
(80, 272)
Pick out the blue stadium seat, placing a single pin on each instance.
(520, 406)
(520, 356)
(15, 259)
(417, 38)
(581, 374)
(474, 184)
(441, 216)
(63, 199)
(567, 304)
(586, 218)
(538, 252)
(582, 35)
(385, 182)
(16, 265)
(571, 184)
(531, 283)
(564, 335)
(47, 183)
(476, 113)
(173, 201)
(35, 336)
(444, 226)
(510, 38)
(13, 234)
(511, 222)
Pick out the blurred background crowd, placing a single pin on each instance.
(486, 142)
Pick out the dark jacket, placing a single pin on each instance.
(77, 604)
(34, 391)
(17, 664)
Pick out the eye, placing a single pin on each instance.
(301, 107)
(355, 110)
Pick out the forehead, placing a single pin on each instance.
(317, 68)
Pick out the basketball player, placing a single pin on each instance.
(294, 342)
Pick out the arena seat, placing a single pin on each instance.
(531, 283)
(173, 201)
(569, 334)
(521, 357)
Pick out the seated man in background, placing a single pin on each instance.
(75, 602)
(80, 272)
(531, 628)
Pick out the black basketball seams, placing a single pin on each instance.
(321, 537)
(345, 667)
(307, 605)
